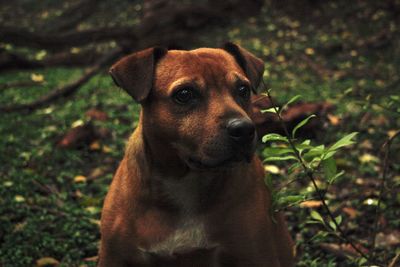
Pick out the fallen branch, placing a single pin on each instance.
(18, 84)
(51, 41)
(68, 89)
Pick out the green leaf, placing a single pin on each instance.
(338, 220)
(345, 141)
(274, 137)
(314, 152)
(337, 175)
(276, 151)
(329, 168)
(316, 216)
(301, 124)
(293, 167)
(270, 110)
(290, 200)
(293, 99)
(332, 225)
(282, 158)
(268, 181)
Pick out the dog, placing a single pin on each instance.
(189, 190)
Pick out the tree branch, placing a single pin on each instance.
(23, 37)
(68, 89)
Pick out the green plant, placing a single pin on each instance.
(307, 161)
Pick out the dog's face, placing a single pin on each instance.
(199, 103)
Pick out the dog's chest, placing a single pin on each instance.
(187, 236)
(190, 232)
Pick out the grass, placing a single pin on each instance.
(46, 212)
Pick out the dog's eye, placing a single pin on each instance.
(183, 96)
(243, 91)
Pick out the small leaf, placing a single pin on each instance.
(274, 137)
(301, 124)
(329, 167)
(290, 200)
(276, 151)
(338, 219)
(332, 225)
(293, 99)
(337, 175)
(316, 216)
(282, 158)
(344, 141)
(270, 110)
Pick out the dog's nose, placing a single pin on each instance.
(241, 130)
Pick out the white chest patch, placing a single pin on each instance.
(189, 236)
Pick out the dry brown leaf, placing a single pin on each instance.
(96, 114)
(311, 204)
(353, 213)
(47, 261)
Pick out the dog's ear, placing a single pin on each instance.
(251, 65)
(135, 73)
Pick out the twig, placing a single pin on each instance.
(68, 89)
(310, 175)
(387, 144)
(394, 261)
(18, 84)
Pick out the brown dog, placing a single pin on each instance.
(190, 191)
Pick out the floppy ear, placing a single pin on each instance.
(135, 73)
(251, 65)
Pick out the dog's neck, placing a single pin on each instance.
(168, 181)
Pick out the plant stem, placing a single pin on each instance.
(310, 175)
(387, 144)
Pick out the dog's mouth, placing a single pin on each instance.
(199, 164)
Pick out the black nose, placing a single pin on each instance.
(241, 130)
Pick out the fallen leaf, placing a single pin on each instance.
(96, 114)
(96, 172)
(47, 261)
(80, 135)
(310, 51)
(106, 149)
(353, 213)
(80, 179)
(390, 239)
(366, 144)
(368, 158)
(311, 204)
(271, 169)
(343, 250)
(19, 198)
(37, 77)
(391, 133)
(334, 120)
(95, 145)
(91, 259)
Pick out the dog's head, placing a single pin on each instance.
(197, 101)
